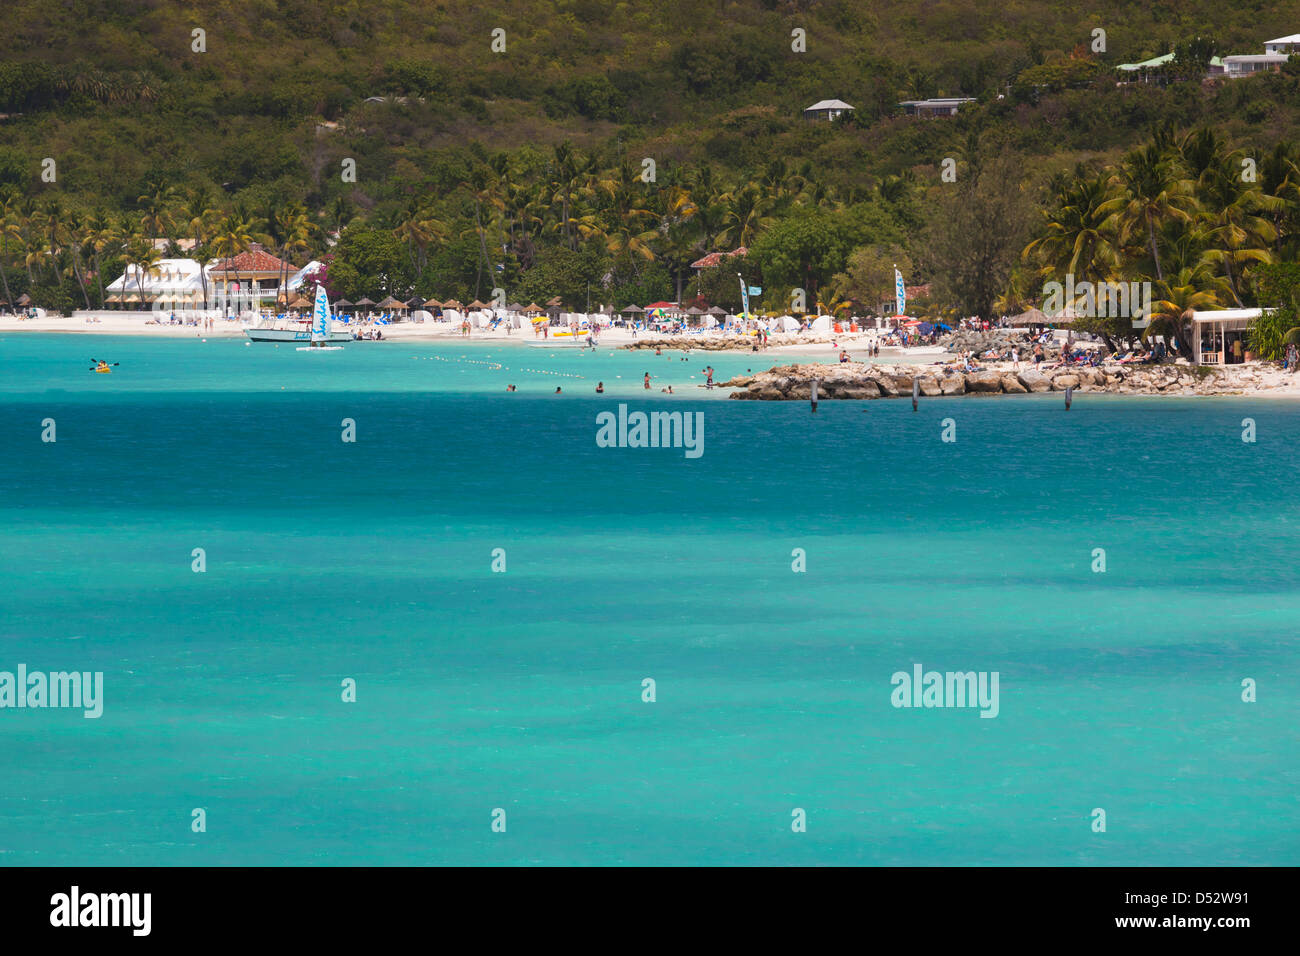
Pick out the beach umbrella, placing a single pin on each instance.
(533, 308)
(452, 304)
(476, 304)
(343, 304)
(364, 302)
(1028, 317)
(392, 303)
(433, 304)
(26, 299)
(714, 310)
(414, 303)
(634, 308)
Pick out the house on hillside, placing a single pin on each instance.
(827, 110)
(936, 106)
(1149, 71)
(1249, 63)
(1286, 45)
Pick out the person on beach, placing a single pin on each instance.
(844, 356)
(1038, 354)
(708, 382)
(647, 380)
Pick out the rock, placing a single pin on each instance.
(952, 385)
(866, 389)
(983, 382)
(887, 384)
(1012, 384)
(930, 386)
(1061, 382)
(1034, 381)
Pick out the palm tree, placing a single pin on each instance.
(197, 214)
(1181, 296)
(102, 234)
(747, 215)
(1237, 217)
(417, 228)
(155, 210)
(1080, 234)
(77, 233)
(143, 258)
(8, 230)
(1151, 191)
(52, 214)
(482, 187)
(234, 234)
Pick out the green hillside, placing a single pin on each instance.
(525, 168)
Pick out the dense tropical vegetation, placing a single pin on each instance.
(609, 146)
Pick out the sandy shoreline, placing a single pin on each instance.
(448, 332)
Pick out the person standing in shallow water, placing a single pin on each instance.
(647, 379)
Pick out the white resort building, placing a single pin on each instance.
(170, 284)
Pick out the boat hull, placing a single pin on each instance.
(291, 335)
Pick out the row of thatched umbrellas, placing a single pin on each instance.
(532, 309)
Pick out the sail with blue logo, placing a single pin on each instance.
(320, 319)
(900, 294)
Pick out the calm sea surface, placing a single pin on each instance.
(522, 690)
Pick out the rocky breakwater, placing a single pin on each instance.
(856, 380)
(718, 343)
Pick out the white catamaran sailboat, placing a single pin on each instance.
(320, 325)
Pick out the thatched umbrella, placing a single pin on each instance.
(714, 310)
(392, 303)
(514, 307)
(301, 302)
(1029, 317)
(415, 303)
(533, 309)
(364, 302)
(476, 304)
(343, 305)
(633, 309)
(433, 304)
(24, 300)
(452, 304)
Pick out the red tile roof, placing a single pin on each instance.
(715, 258)
(254, 260)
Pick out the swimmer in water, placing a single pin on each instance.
(600, 388)
(647, 379)
(557, 390)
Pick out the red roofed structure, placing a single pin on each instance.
(715, 258)
(254, 272)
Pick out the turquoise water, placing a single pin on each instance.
(522, 690)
